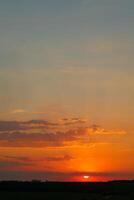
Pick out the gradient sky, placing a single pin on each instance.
(66, 89)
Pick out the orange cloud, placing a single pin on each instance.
(42, 133)
(18, 111)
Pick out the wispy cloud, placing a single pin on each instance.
(59, 158)
(72, 121)
(19, 111)
(11, 162)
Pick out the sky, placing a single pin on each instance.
(66, 89)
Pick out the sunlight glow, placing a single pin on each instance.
(86, 177)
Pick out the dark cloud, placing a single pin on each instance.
(62, 158)
(95, 127)
(41, 122)
(14, 161)
(40, 133)
(19, 162)
(25, 125)
(73, 121)
(36, 124)
(11, 125)
(18, 158)
(38, 139)
(10, 164)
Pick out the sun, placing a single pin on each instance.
(86, 177)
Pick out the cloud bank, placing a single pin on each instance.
(65, 132)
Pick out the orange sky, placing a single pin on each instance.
(69, 146)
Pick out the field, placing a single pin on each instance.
(66, 191)
(59, 196)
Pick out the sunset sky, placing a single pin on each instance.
(66, 89)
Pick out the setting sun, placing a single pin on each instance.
(86, 177)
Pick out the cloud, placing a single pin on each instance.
(12, 164)
(25, 125)
(40, 122)
(11, 126)
(72, 121)
(42, 133)
(62, 158)
(97, 130)
(18, 111)
(7, 162)
(18, 158)
(23, 139)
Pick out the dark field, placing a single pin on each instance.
(60, 196)
(115, 190)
